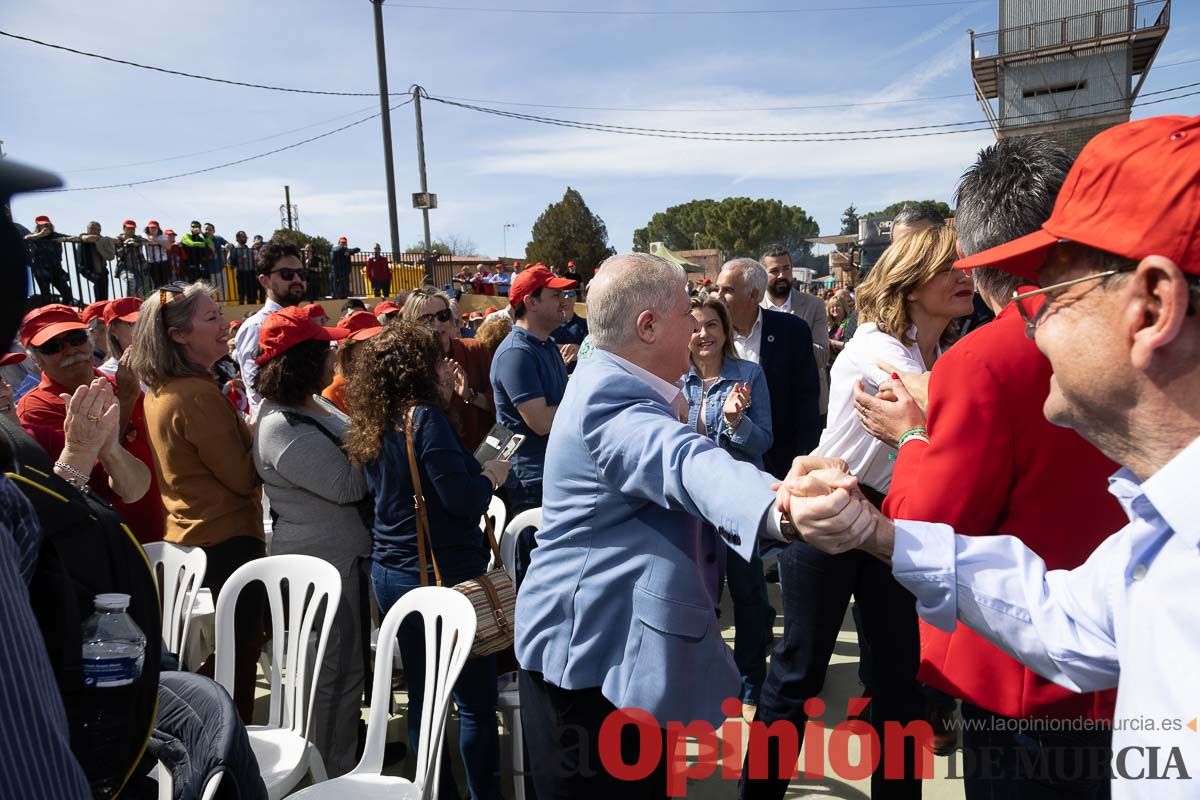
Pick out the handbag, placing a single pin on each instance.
(492, 594)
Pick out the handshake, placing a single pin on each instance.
(827, 510)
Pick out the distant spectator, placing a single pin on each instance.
(175, 259)
(314, 265)
(379, 273)
(386, 311)
(216, 261)
(570, 335)
(362, 326)
(571, 273)
(131, 259)
(119, 318)
(242, 259)
(157, 270)
(46, 260)
(352, 305)
(197, 253)
(502, 280)
(490, 334)
(93, 251)
(339, 265)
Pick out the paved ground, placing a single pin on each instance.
(841, 684)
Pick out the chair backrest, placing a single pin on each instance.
(449, 620)
(179, 571)
(314, 587)
(499, 514)
(530, 518)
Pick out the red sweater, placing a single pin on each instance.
(995, 465)
(378, 269)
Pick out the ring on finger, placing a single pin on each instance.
(93, 418)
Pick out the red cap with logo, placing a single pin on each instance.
(125, 309)
(289, 327)
(43, 324)
(386, 307)
(93, 311)
(532, 279)
(1134, 191)
(362, 325)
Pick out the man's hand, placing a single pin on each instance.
(917, 383)
(888, 414)
(569, 353)
(830, 514)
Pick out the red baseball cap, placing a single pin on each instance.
(570, 263)
(532, 279)
(1133, 191)
(93, 311)
(11, 358)
(289, 327)
(362, 325)
(125, 309)
(168, 232)
(386, 307)
(41, 219)
(128, 224)
(153, 222)
(341, 240)
(43, 324)
(490, 310)
(315, 310)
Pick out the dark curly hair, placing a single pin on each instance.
(394, 371)
(273, 251)
(294, 375)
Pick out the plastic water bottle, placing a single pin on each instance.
(114, 647)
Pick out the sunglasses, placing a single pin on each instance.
(165, 293)
(445, 315)
(290, 274)
(69, 339)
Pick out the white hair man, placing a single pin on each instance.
(616, 610)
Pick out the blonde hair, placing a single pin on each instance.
(904, 267)
(493, 332)
(156, 357)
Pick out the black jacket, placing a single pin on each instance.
(786, 356)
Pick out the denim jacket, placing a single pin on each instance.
(752, 437)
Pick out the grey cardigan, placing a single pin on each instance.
(312, 486)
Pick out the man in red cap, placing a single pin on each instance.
(119, 317)
(56, 339)
(46, 260)
(529, 378)
(339, 267)
(571, 273)
(1118, 317)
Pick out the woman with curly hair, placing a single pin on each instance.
(401, 371)
(315, 493)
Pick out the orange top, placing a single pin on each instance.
(336, 392)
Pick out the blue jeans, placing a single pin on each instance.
(748, 592)
(474, 693)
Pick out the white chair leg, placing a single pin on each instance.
(518, 757)
(316, 764)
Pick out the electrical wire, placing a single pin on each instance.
(681, 12)
(723, 109)
(255, 157)
(218, 149)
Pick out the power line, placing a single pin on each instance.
(681, 12)
(737, 109)
(1176, 63)
(192, 75)
(218, 149)
(228, 163)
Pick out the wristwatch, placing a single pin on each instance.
(787, 528)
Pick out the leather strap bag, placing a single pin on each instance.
(492, 594)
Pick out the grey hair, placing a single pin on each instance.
(417, 298)
(626, 285)
(917, 215)
(1007, 193)
(157, 358)
(754, 274)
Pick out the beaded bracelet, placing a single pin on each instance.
(913, 433)
(76, 478)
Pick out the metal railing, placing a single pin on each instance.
(74, 272)
(1070, 29)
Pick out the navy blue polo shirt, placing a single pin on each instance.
(573, 332)
(525, 368)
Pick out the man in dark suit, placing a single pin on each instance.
(783, 346)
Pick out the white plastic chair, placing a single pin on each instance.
(508, 698)
(499, 514)
(442, 608)
(282, 746)
(182, 571)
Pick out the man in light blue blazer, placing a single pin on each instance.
(616, 609)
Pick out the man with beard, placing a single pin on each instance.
(281, 275)
(781, 296)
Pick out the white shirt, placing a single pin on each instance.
(844, 436)
(1127, 618)
(786, 306)
(749, 347)
(245, 349)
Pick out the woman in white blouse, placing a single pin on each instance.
(906, 305)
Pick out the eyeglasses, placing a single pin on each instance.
(165, 293)
(290, 274)
(445, 315)
(68, 339)
(1033, 312)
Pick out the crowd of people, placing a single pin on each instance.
(657, 430)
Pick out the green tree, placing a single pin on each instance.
(936, 206)
(738, 226)
(321, 246)
(451, 244)
(850, 220)
(436, 246)
(569, 231)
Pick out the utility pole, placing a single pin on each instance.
(287, 201)
(507, 225)
(386, 119)
(426, 200)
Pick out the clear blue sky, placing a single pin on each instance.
(70, 113)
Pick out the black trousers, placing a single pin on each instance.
(816, 590)
(562, 742)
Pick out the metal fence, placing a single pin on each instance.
(1068, 29)
(77, 272)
